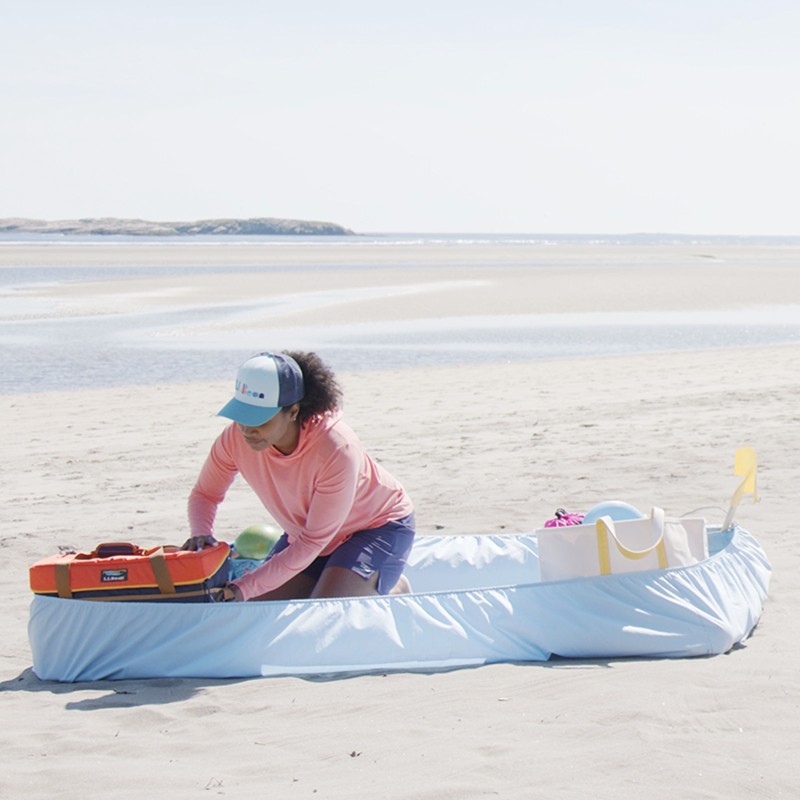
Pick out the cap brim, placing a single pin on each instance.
(247, 414)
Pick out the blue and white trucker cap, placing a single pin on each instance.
(265, 384)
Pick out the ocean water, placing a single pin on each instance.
(43, 351)
(408, 239)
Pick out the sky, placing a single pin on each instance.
(529, 116)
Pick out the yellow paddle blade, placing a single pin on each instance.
(745, 464)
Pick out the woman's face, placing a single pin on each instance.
(281, 432)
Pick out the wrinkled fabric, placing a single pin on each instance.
(477, 600)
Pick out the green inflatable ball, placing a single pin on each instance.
(256, 541)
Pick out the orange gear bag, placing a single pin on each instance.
(124, 571)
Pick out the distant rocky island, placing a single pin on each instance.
(108, 226)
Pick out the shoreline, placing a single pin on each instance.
(361, 311)
(376, 250)
(407, 283)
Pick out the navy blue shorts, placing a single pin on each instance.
(383, 550)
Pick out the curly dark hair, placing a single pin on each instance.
(322, 393)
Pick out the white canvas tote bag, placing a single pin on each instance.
(607, 547)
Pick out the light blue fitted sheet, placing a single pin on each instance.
(477, 600)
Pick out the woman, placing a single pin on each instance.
(349, 525)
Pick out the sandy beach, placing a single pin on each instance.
(480, 449)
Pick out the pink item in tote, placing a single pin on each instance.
(562, 518)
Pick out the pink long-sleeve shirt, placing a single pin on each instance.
(321, 494)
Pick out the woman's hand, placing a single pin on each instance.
(198, 542)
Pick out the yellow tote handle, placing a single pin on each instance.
(605, 527)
